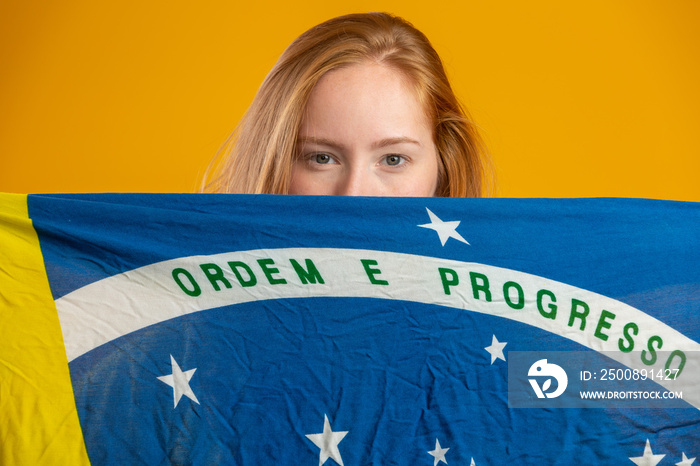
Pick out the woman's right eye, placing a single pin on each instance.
(323, 158)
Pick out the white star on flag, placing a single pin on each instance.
(445, 230)
(686, 461)
(496, 349)
(438, 453)
(648, 458)
(472, 463)
(328, 443)
(180, 381)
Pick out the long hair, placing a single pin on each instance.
(258, 156)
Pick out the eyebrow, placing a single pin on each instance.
(392, 141)
(375, 145)
(319, 141)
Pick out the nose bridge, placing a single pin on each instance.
(357, 181)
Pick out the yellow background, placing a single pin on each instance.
(583, 98)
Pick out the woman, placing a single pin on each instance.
(358, 105)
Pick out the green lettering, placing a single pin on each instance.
(308, 275)
(507, 286)
(483, 286)
(626, 348)
(215, 275)
(552, 313)
(575, 314)
(195, 289)
(448, 282)
(367, 264)
(603, 323)
(250, 281)
(651, 359)
(268, 271)
(679, 369)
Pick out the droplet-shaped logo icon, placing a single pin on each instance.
(542, 368)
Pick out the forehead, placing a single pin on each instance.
(366, 97)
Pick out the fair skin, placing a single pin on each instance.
(365, 133)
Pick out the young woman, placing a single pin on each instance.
(358, 105)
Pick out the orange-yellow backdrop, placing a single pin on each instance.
(582, 98)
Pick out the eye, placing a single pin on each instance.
(322, 158)
(394, 159)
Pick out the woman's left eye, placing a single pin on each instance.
(394, 159)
